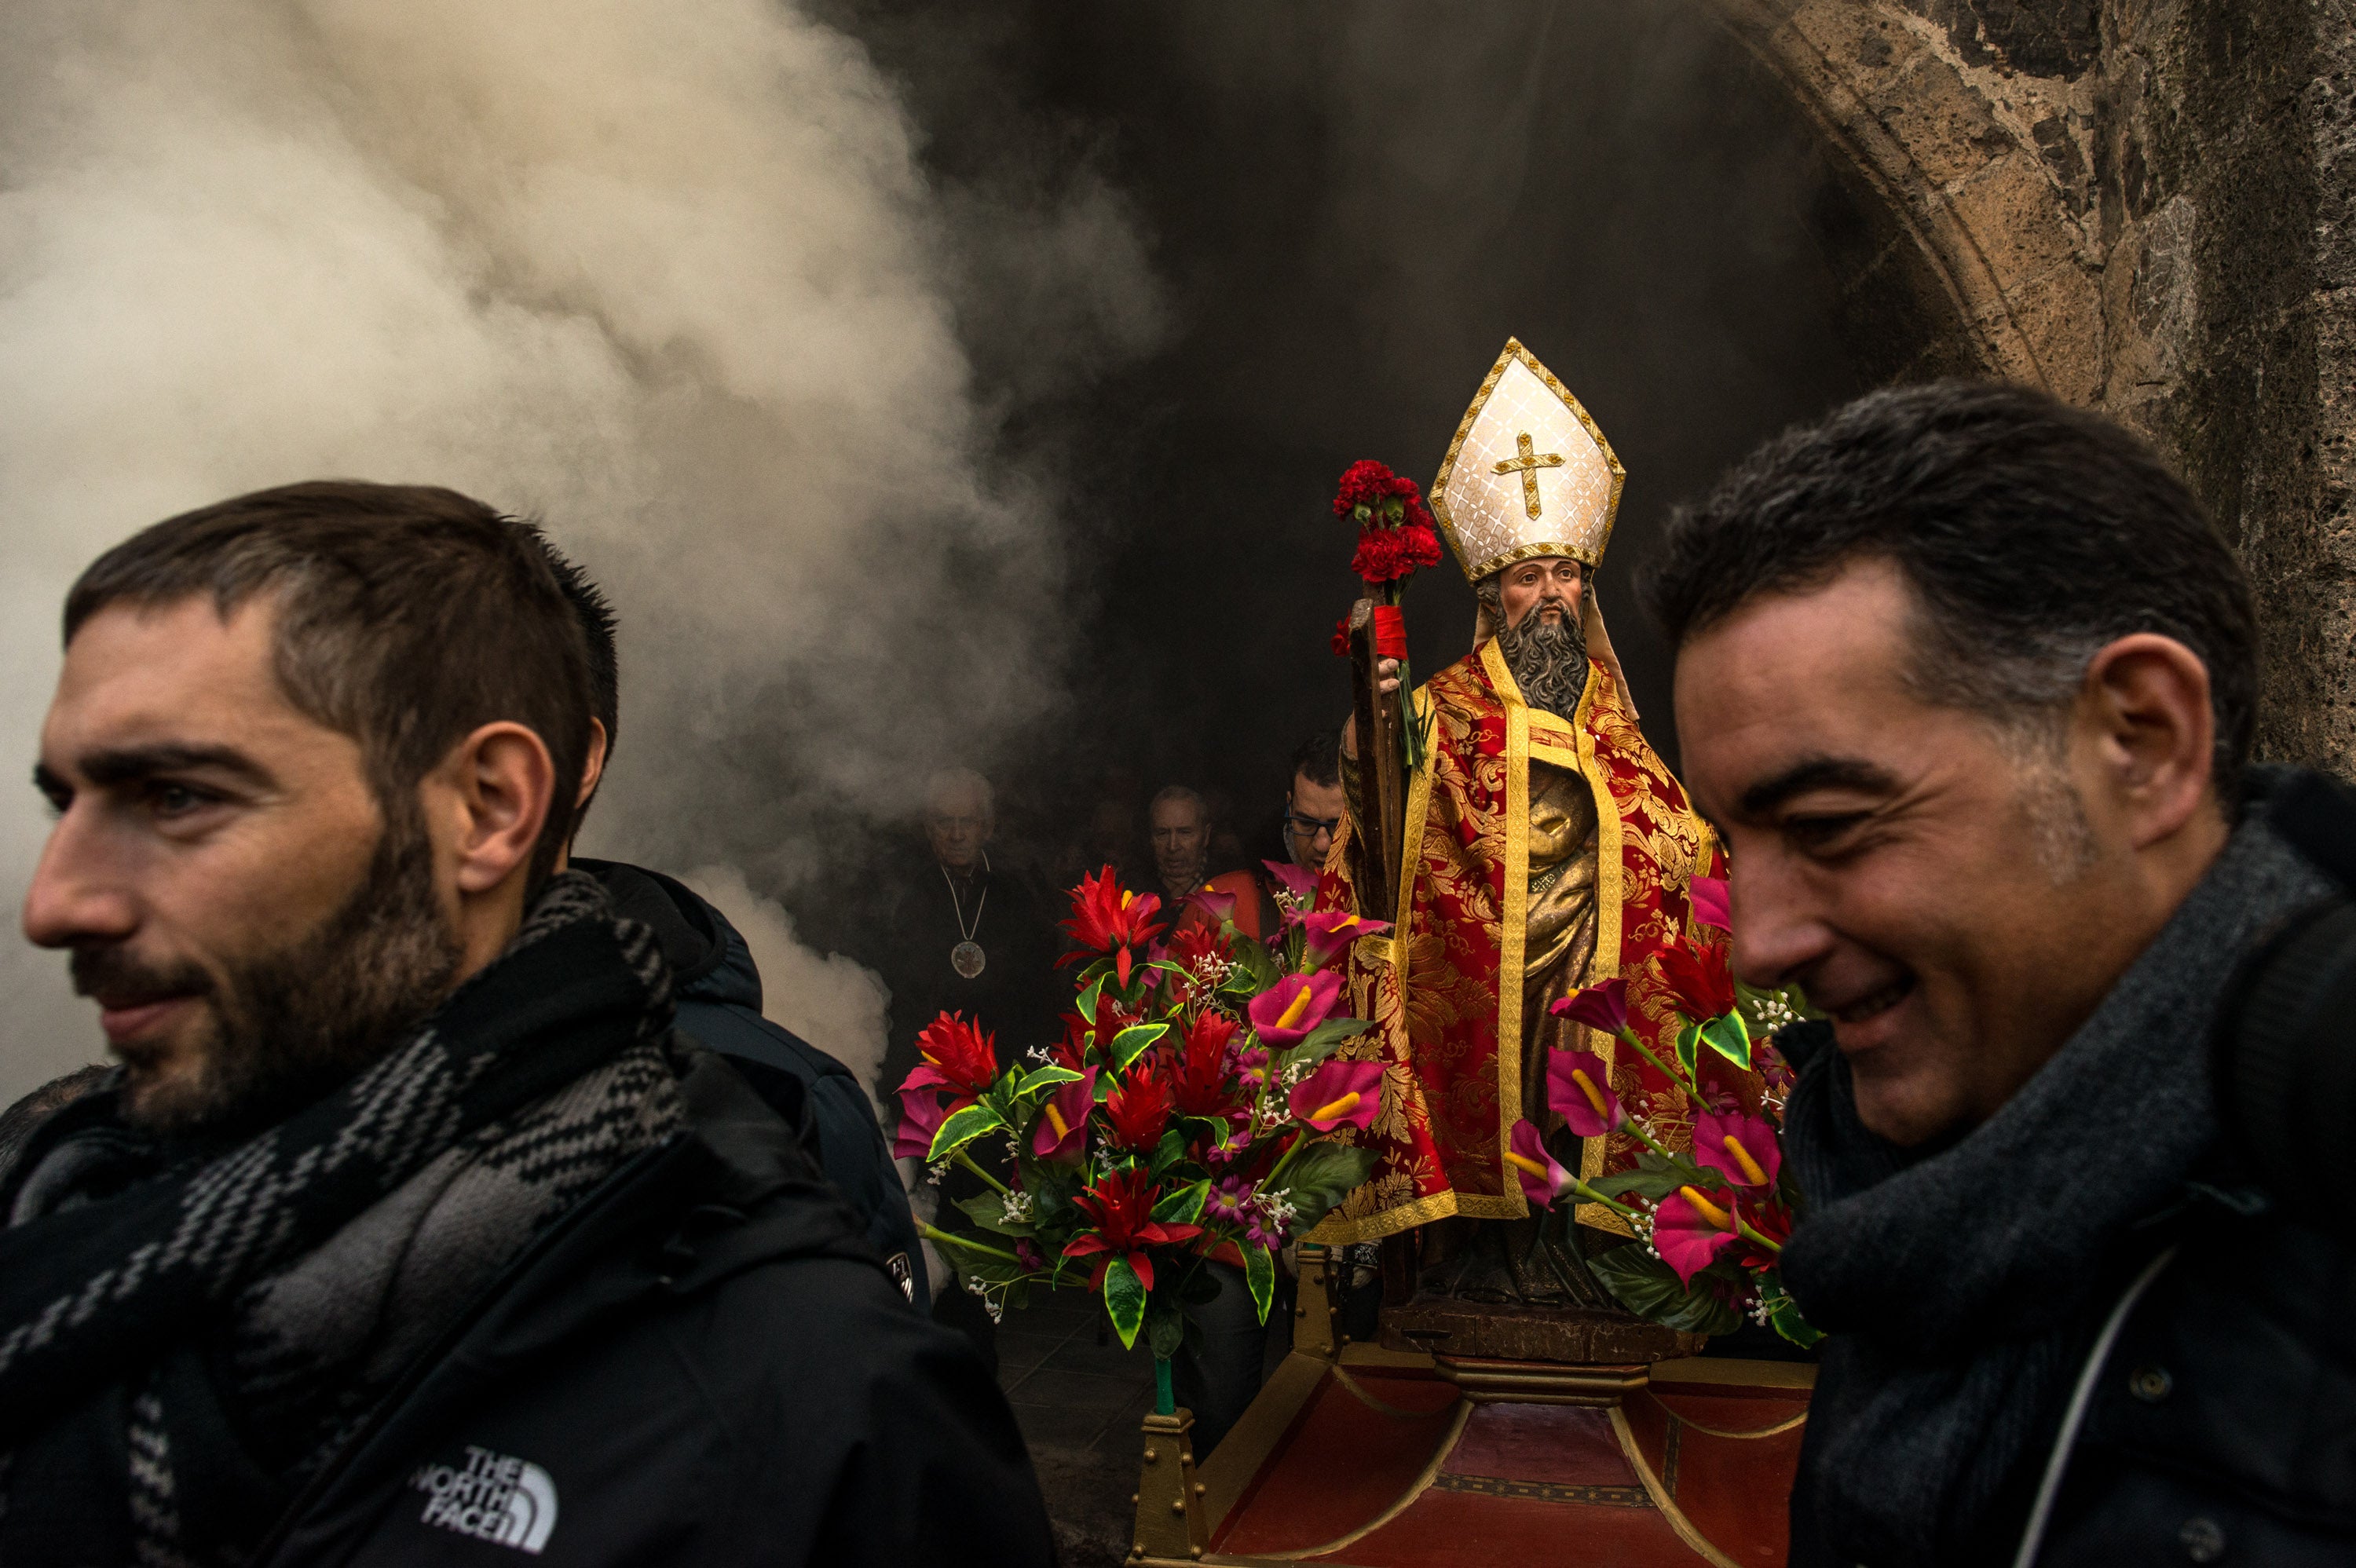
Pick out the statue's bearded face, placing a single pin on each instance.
(1535, 604)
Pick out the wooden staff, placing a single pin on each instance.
(1381, 775)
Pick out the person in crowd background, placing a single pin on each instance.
(408, 1212)
(1178, 826)
(1315, 800)
(957, 935)
(1967, 680)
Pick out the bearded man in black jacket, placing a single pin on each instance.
(409, 1227)
(1968, 680)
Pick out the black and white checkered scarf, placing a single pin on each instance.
(181, 1347)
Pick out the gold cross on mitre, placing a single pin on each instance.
(1529, 466)
(1522, 426)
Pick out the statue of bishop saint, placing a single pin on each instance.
(1546, 848)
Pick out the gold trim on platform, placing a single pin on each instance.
(1661, 1498)
(1406, 1500)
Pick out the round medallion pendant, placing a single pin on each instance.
(967, 958)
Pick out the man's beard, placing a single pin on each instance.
(290, 1025)
(1548, 659)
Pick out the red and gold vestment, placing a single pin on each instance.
(1445, 986)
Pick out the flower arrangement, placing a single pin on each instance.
(1713, 1222)
(1184, 1116)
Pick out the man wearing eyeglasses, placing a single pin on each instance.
(1312, 807)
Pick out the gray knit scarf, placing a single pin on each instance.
(1961, 1289)
(227, 1327)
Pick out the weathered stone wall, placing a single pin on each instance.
(2144, 206)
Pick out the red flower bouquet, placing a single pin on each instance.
(1191, 1112)
(1396, 540)
(1395, 530)
(1713, 1221)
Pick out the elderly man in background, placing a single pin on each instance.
(958, 936)
(1969, 679)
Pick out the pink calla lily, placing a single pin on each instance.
(1297, 882)
(1340, 1093)
(1330, 931)
(1604, 1007)
(1712, 903)
(1579, 1087)
(1741, 1148)
(1284, 1014)
(921, 1116)
(1544, 1179)
(1061, 1135)
(1691, 1228)
(1219, 907)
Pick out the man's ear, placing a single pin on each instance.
(592, 767)
(496, 786)
(2145, 699)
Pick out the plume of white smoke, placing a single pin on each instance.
(832, 997)
(667, 273)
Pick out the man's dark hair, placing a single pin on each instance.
(409, 616)
(1318, 759)
(598, 626)
(2031, 532)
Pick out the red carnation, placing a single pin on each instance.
(1365, 484)
(1386, 555)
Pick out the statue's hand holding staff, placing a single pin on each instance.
(1387, 682)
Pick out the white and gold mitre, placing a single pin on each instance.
(1528, 473)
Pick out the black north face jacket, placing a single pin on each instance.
(703, 1363)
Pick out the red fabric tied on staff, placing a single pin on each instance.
(1390, 632)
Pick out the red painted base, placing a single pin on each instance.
(1386, 1468)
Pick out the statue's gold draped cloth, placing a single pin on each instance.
(1544, 856)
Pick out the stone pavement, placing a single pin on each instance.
(1079, 1398)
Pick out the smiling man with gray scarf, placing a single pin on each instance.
(1967, 680)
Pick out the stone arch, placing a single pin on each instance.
(2141, 205)
(1979, 168)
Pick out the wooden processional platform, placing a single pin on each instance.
(1372, 1457)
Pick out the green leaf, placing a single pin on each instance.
(1783, 1316)
(1124, 1299)
(1130, 1043)
(1087, 1005)
(1319, 1176)
(1728, 1038)
(962, 1128)
(1046, 1078)
(1650, 1288)
(1185, 1206)
(1654, 1184)
(1783, 1313)
(1166, 1329)
(1252, 959)
(1690, 1048)
(1260, 1273)
(1169, 1151)
(987, 1210)
(1325, 1040)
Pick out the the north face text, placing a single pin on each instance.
(492, 1496)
